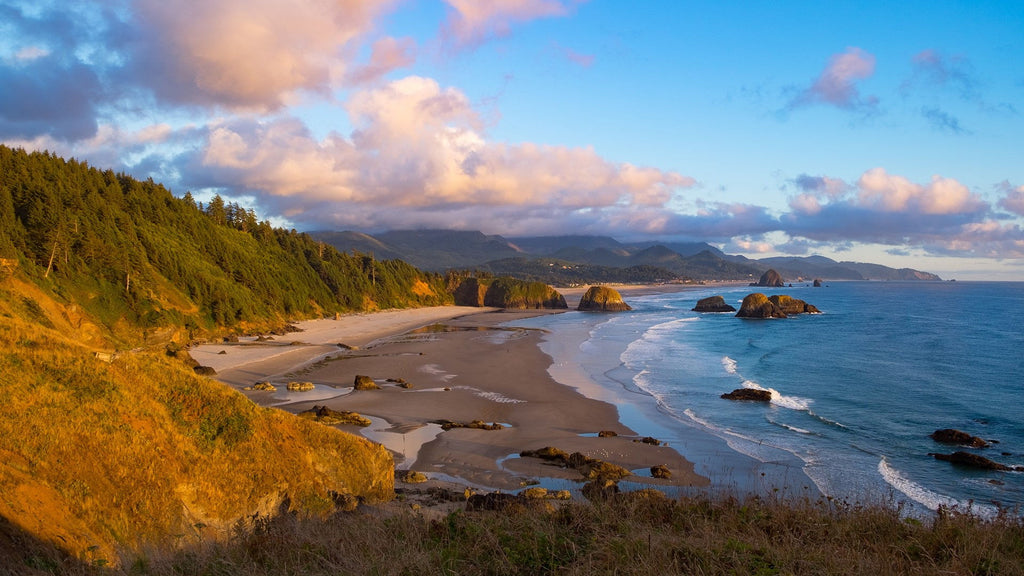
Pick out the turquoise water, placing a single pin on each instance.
(857, 389)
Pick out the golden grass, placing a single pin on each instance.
(98, 458)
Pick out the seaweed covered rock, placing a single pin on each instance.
(713, 304)
(958, 437)
(771, 279)
(793, 306)
(758, 305)
(749, 394)
(602, 299)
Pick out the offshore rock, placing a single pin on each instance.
(771, 278)
(758, 305)
(952, 436)
(817, 282)
(749, 394)
(793, 306)
(713, 304)
(975, 461)
(602, 299)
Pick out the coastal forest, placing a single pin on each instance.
(116, 457)
(144, 263)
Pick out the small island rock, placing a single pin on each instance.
(792, 306)
(758, 305)
(817, 282)
(602, 299)
(751, 394)
(713, 304)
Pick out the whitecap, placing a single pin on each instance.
(729, 364)
(922, 495)
(791, 402)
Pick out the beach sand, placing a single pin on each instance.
(463, 366)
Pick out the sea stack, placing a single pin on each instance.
(771, 279)
(602, 299)
(758, 305)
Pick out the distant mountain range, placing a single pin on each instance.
(567, 260)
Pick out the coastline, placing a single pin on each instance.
(477, 368)
(489, 365)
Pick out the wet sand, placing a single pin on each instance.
(471, 369)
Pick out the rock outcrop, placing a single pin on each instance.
(660, 471)
(975, 461)
(602, 299)
(325, 415)
(758, 305)
(261, 386)
(749, 394)
(771, 279)
(713, 304)
(362, 382)
(507, 293)
(300, 386)
(793, 306)
(952, 436)
(589, 468)
(475, 424)
(817, 282)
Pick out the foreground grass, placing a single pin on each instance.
(642, 534)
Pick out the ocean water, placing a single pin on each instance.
(856, 390)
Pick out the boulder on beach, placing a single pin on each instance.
(261, 386)
(660, 471)
(974, 461)
(300, 386)
(713, 304)
(952, 436)
(749, 394)
(793, 306)
(362, 382)
(325, 415)
(758, 305)
(602, 299)
(771, 279)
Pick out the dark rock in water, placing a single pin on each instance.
(952, 436)
(660, 471)
(975, 461)
(649, 440)
(758, 305)
(771, 278)
(751, 394)
(602, 299)
(793, 306)
(475, 424)
(713, 304)
(607, 434)
(817, 282)
(364, 383)
(205, 371)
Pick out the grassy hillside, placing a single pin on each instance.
(147, 265)
(97, 457)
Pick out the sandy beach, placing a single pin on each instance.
(462, 366)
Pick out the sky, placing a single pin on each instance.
(868, 131)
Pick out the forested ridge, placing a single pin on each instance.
(143, 262)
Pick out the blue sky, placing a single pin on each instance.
(856, 130)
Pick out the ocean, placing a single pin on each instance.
(856, 390)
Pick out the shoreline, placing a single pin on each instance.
(483, 367)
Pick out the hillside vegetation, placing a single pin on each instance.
(147, 265)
